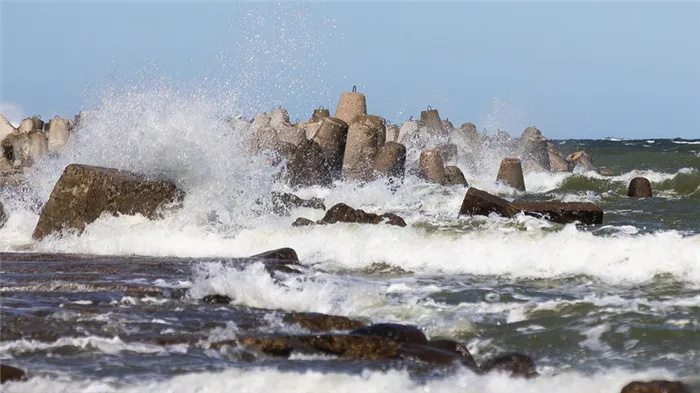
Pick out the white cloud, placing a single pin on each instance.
(12, 112)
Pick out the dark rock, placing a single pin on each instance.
(3, 216)
(454, 176)
(480, 203)
(283, 202)
(428, 354)
(516, 364)
(639, 187)
(9, 373)
(307, 166)
(302, 222)
(344, 213)
(317, 322)
(454, 347)
(397, 332)
(332, 137)
(84, 192)
(355, 347)
(216, 299)
(563, 212)
(280, 254)
(659, 386)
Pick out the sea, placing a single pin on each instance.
(119, 307)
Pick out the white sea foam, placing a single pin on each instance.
(266, 380)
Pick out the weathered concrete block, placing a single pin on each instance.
(391, 161)
(58, 134)
(84, 192)
(480, 203)
(580, 159)
(407, 131)
(511, 174)
(20, 149)
(26, 125)
(392, 133)
(307, 166)
(431, 166)
(534, 151)
(319, 114)
(36, 146)
(431, 120)
(360, 152)
(639, 187)
(351, 106)
(563, 212)
(556, 162)
(38, 124)
(379, 124)
(454, 176)
(332, 137)
(6, 128)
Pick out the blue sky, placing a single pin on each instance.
(575, 70)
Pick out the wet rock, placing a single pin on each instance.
(84, 192)
(431, 120)
(563, 212)
(351, 106)
(454, 176)
(580, 159)
(397, 332)
(511, 174)
(391, 161)
(280, 254)
(332, 136)
(428, 354)
(303, 222)
(515, 364)
(3, 216)
(465, 357)
(283, 202)
(307, 166)
(10, 374)
(639, 187)
(344, 213)
(317, 322)
(216, 299)
(658, 386)
(431, 166)
(556, 162)
(480, 203)
(355, 347)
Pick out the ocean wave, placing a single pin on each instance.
(266, 380)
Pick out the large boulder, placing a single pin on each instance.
(659, 386)
(344, 213)
(639, 187)
(460, 349)
(563, 212)
(9, 374)
(84, 192)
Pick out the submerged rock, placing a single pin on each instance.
(280, 254)
(344, 213)
(453, 346)
(317, 322)
(515, 364)
(283, 202)
(84, 192)
(216, 299)
(394, 331)
(303, 222)
(658, 386)
(355, 347)
(9, 374)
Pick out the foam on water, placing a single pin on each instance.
(266, 380)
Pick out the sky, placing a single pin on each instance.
(574, 70)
